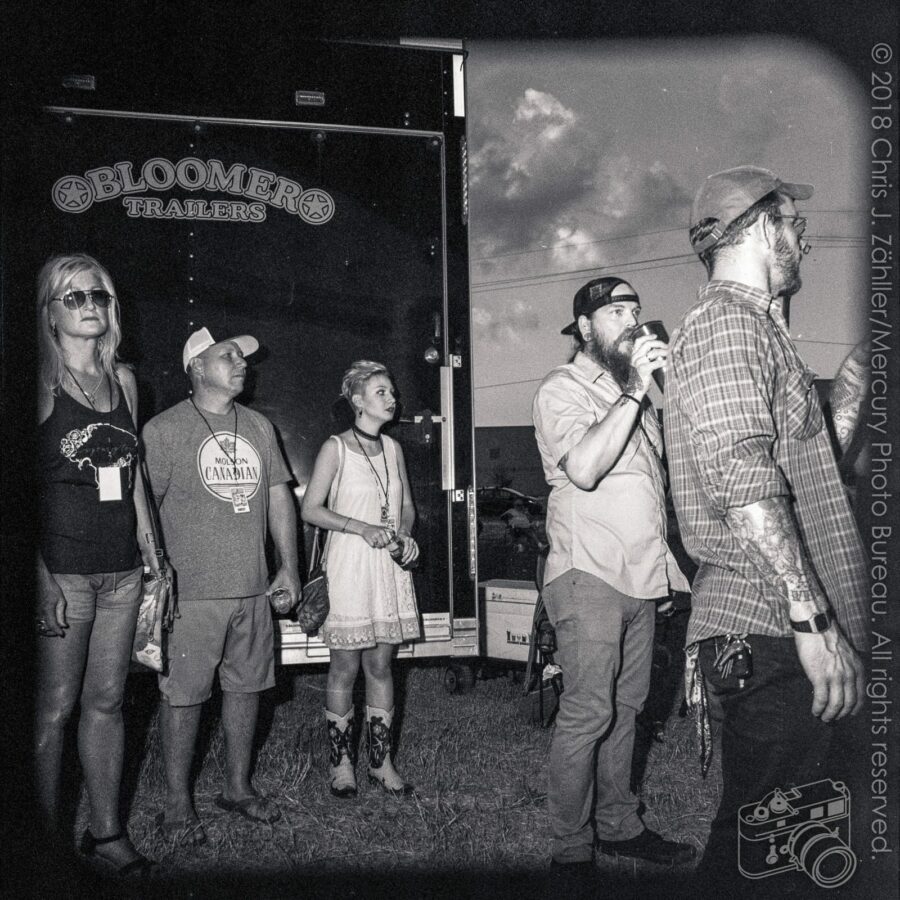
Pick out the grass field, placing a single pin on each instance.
(477, 825)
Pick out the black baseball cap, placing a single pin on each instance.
(597, 293)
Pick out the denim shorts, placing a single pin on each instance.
(112, 591)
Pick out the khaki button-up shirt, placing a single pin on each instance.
(617, 531)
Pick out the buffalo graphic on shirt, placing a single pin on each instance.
(100, 445)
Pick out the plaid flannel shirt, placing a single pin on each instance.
(743, 423)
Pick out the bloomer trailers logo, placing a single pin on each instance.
(226, 465)
(805, 829)
(260, 188)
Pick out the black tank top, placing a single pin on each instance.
(79, 533)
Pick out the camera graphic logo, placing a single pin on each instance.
(805, 829)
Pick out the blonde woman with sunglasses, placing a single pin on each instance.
(94, 539)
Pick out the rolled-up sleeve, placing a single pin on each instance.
(562, 415)
(727, 377)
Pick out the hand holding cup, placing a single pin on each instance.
(656, 331)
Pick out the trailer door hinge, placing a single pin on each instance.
(473, 532)
(455, 361)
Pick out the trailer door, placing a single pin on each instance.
(327, 243)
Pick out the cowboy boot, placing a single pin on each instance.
(381, 767)
(342, 757)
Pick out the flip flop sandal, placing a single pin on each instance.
(185, 832)
(242, 807)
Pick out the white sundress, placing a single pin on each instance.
(372, 600)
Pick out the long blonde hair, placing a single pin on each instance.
(53, 281)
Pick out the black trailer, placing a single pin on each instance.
(318, 203)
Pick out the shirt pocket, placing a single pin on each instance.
(804, 412)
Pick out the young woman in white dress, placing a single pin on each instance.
(359, 493)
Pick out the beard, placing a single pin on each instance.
(611, 358)
(788, 267)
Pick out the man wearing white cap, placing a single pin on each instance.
(221, 484)
(778, 614)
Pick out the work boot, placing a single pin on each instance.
(381, 766)
(650, 846)
(342, 738)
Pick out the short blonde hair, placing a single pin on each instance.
(53, 281)
(355, 378)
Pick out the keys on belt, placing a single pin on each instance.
(734, 658)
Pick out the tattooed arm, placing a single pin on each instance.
(768, 535)
(847, 392)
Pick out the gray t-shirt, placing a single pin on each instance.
(211, 484)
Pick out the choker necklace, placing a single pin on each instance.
(385, 486)
(365, 434)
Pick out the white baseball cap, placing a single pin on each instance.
(201, 340)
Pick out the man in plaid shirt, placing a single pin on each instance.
(779, 602)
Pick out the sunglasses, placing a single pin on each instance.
(76, 299)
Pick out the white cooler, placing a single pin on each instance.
(507, 613)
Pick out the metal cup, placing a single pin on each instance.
(654, 328)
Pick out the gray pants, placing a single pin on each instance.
(605, 648)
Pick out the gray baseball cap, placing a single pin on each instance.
(727, 195)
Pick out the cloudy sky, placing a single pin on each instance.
(584, 158)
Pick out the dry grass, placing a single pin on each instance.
(480, 770)
(477, 826)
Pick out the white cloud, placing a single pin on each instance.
(507, 325)
(546, 180)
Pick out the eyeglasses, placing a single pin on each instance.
(76, 299)
(799, 222)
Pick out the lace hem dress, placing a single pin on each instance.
(372, 600)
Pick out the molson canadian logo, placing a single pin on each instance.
(78, 193)
(224, 465)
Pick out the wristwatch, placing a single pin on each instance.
(814, 624)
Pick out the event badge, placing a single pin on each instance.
(239, 500)
(109, 482)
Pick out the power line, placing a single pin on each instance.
(545, 249)
(638, 234)
(642, 265)
(812, 236)
(481, 387)
(829, 343)
(501, 281)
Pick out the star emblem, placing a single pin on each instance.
(316, 206)
(72, 193)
